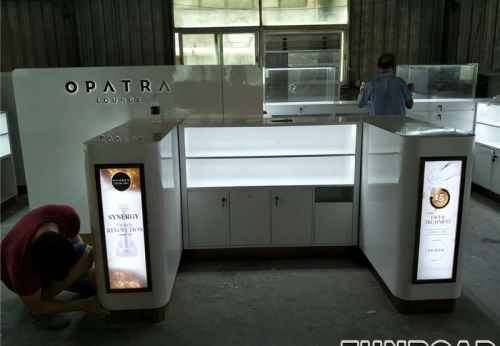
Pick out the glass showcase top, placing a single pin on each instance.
(440, 81)
(301, 84)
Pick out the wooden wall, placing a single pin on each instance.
(124, 32)
(72, 33)
(38, 34)
(472, 33)
(412, 30)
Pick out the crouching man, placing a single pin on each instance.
(44, 255)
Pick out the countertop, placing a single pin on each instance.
(408, 127)
(196, 121)
(137, 130)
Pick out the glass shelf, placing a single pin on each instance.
(440, 81)
(272, 171)
(270, 141)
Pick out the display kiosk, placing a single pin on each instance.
(264, 183)
(135, 214)
(415, 189)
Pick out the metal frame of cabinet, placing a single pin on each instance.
(270, 228)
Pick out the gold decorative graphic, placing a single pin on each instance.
(133, 173)
(440, 198)
(121, 279)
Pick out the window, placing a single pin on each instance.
(230, 32)
(200, 49)
(206, 49)
(238, 49)
(215, 13)
(304, 12)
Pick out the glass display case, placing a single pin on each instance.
(440, 81)
(301, 84)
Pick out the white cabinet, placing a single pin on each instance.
(291, 217)
(333, 223)
(495, 176)
(483, 159)
(487, 150)
(250, 217)
(208, 218)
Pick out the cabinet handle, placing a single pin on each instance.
(223, 201)
(440, 107)
(277, 198)
(439, 116)
(494, 158)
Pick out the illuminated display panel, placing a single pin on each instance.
(124, 234)
(439, 215)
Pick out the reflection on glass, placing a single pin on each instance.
(239, 49)
(300, 84)
(215, 13)
(304, 12)
(440, 81)
(199, 49)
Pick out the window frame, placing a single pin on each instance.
(260, 42)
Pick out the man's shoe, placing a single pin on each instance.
(51, 321)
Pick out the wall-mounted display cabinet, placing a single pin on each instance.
(8, 175)
(253, 182)
(487, 149)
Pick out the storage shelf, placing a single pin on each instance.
(489, 123)
(275, 141)
(263, 157)
(263, 187)
(288, 171)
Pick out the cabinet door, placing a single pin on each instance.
(250, 217)
(482, 166)
(291, 217)
(333, 223)
(208, 218)
(495, 175)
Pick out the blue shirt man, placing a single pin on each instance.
(388, 94)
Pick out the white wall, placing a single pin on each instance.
(8, 104)
(54, 124)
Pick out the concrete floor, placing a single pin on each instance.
(288, 302)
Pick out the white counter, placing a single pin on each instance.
(396, 211)
(137, 260)
(263, 183)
